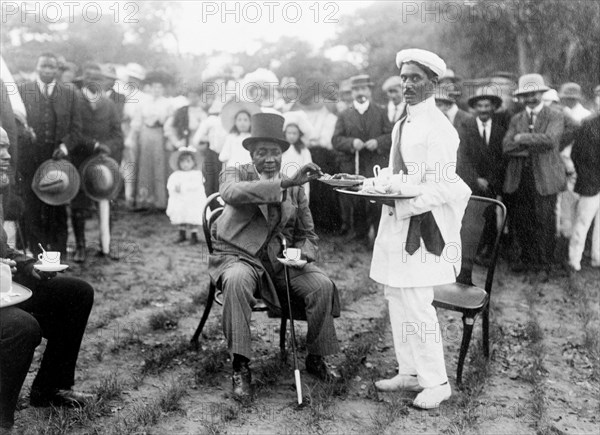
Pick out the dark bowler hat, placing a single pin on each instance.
(266, 127)
(56, 182)
(101, 178)
(360, 80)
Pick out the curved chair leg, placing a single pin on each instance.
(207, 308)
(485, 320)
(282, 331)
(464, 347)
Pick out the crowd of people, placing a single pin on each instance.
(165, 147)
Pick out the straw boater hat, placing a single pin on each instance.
(529, 83)
(232, 108)
(176, 155)
(101, 178)
(56, 182)
(360, 80)
(136, 71)
(570, 90)
(267, 127)
(485, 93)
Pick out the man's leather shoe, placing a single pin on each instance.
(399, 382)
(242, 383)
(316, 366)
(64, 398)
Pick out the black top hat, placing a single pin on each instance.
(266, 127)
(360, 80)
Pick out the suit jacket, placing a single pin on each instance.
(181, 122)
(101, 124)
(119, 100)
(242, 229)
(373, 124)
(461, 119)
(65, 103)
(586, 157)
(477, 160)
(540, 149)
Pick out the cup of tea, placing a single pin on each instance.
(292, 254)
(49, 258)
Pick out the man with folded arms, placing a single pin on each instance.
(58, 310)
(418, 244)
(262, 209)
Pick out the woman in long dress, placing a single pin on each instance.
(148, 132)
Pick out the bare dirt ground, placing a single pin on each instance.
(543, 375)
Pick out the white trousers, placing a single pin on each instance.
(417, 334)
(11, 233)
(588, 210)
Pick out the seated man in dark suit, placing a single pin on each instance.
(480, 161)
(58, 311)
(261, 209)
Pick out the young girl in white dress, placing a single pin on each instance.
(186, 194)
(296, 156)
(233, 153)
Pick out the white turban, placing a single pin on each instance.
(424, 57)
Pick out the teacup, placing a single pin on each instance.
(292, 254)
(49, 258)
(382, 175)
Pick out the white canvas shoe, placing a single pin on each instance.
(431, 398)
(399, 382)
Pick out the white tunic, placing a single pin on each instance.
(429, 144)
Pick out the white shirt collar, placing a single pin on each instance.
(361, 107)
(480, 123)
(421, 108)
(42, 85)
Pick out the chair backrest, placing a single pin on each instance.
(212, 210)
(478, 211)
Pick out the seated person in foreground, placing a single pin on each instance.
(262, 208)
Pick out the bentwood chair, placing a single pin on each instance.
(464, 296)
(212, 210)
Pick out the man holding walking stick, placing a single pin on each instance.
(261, 210)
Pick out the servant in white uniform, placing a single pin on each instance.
(418, 244)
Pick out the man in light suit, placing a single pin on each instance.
(418, 244)
(535, 174)
(262, 209)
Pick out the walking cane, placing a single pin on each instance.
(104, 224)
(296, 369)
(356, 163)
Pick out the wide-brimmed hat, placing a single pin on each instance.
(267, 127)
(136, 71)
(109, 71)
(486, 93)
(56, 182)
(176, 155)
(100, 177)
(360, 80)
(91, 72)
(232, 108)
(570, 90)
(531, 83)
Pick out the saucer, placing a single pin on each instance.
(17, 295)
(292, 263)
(50, 267)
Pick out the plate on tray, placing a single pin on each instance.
(376, 196)
(15, 296)
(342, 180)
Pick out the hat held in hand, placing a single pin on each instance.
(101, 178)
(56, 182)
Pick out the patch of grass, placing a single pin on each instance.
(164, 320)
(110, 387)
(269, 372)
(387, 413)
(161, 357)
(210, 363)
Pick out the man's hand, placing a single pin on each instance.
(307, 173)
(483, 184)
(371, 144)
(42, 276)
(11, 263)
(60, 152)
(102, 149)
(358, 144)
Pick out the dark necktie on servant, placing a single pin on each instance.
(423, 225)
